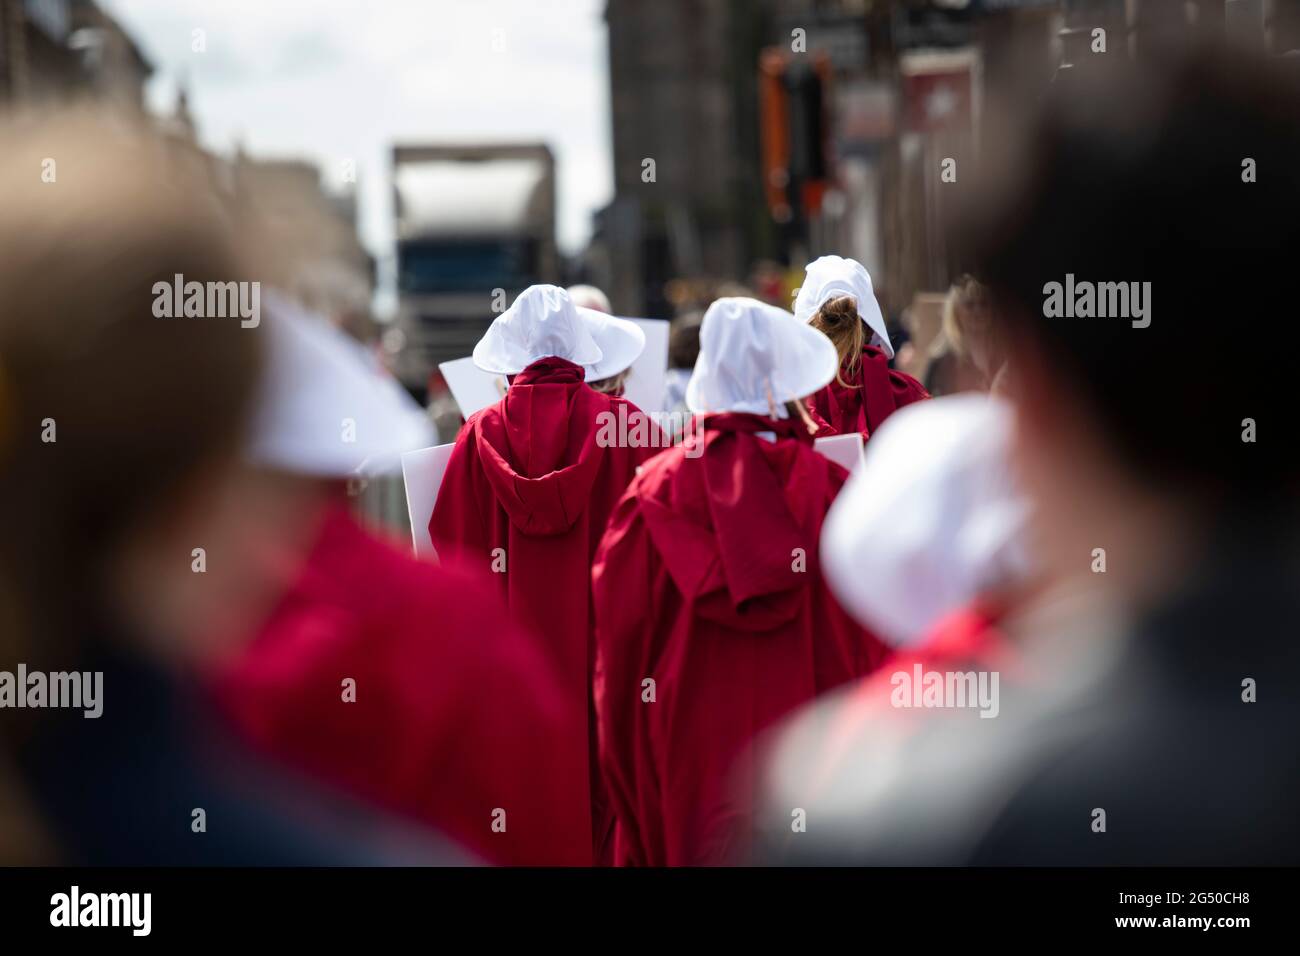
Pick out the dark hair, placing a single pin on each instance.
(1138, 175)
(684, 340)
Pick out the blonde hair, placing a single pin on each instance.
(839, 321)
(612, 385)
(967, 324)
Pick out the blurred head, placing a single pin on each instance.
(684, 340)
(589, 297)
(120, 429)
(968, 326)
(1137, 420)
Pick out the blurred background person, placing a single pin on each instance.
(1166, 528)
(836, 298)
(453, 711)
(135, 538)
(712, 617)
(531, 483)
(683, 350)
(589, 297)
(965, 356)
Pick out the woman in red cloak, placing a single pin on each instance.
(712, 617)
(926, 546)
(837, 298)
(394, 679)
(532, 480)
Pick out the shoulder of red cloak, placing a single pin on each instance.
(656, 441)
(968, 636)
(824, 428)
(438, 667)
(971, 633)
(906, 388)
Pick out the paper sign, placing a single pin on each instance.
(422, 472)
(649, 374)
(473, 388)
(844, 450)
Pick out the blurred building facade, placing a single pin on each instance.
(331, 271)
(785, 129)
(55, 51)
(683, 93)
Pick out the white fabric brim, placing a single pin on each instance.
(741, 357)
(875, 320)
(829, 278)
(510, 344)
(931, 521)
(326, 408)
(868, 311)
(620, 342)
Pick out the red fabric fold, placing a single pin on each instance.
(455, 708)
(696, 590)
(875, 391)
(754, 530)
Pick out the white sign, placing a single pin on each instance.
(422, 471)
(648, 378)
(473, 388)
(844, 450)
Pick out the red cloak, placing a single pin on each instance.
(875, 391)
(527, 493)
(967, 639)
(454, 707)
(707, 582)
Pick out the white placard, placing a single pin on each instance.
(844, 450)
(422, 472)
(649, 374)
(473, 388)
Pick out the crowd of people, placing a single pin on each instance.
(714, 646)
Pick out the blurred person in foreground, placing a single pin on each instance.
(836, 298)
(1151, 717)
(931, 529)
(402, 681)
(134, 538)
(531, 483)
(712, 617)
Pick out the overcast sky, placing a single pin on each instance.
(329, 80)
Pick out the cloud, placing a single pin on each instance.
(330, 80)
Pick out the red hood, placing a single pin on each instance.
(538, 446)
(727, 523)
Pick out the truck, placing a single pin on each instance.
(475, 225)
